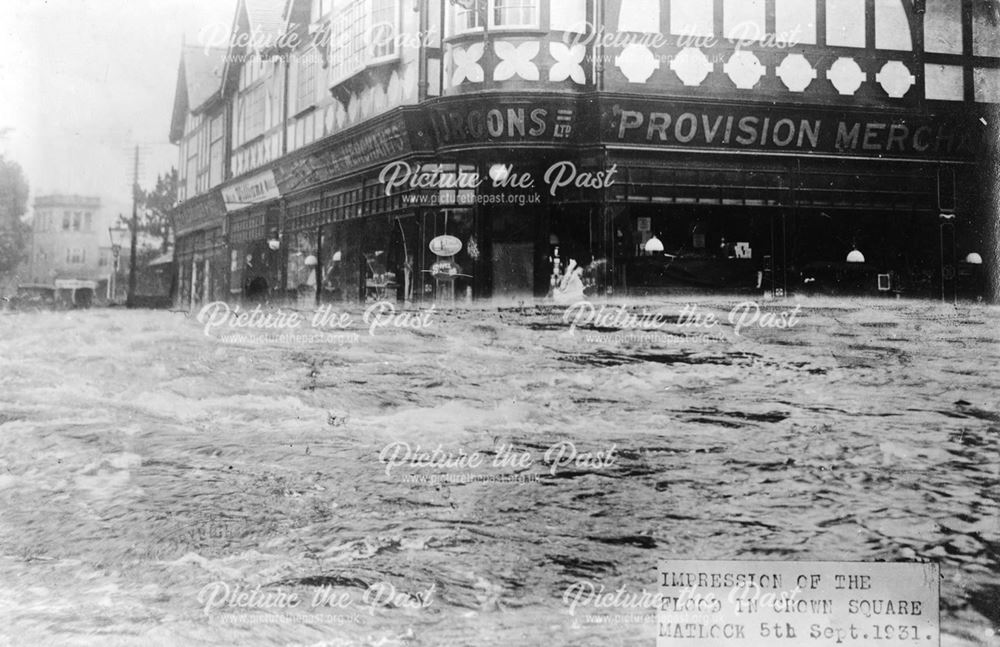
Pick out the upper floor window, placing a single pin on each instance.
(795, 21)
(892, 27)
(514, 13)
(845, 23)
(692, 17)
(305, 91)
(986, 28)
(250, 115)
(943, 26)
(75, 255)
(66, 219)
(320, 9)
(467, 18)
(384, 25)
(88, 222)
(216, 153)
(744, 19)
(77, 217)
(365, 33)
(469, 15)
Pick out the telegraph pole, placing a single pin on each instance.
(130, 297)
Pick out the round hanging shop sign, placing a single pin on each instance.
(446, 245)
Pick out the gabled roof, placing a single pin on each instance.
(203, 68)
(267, 18)
(199, 80)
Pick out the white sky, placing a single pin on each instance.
(83, 81)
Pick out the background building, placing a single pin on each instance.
(70, 247)
(735, 145)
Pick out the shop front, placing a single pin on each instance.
(521, 196)
(747, 199)
(255, 255)
(200, 253)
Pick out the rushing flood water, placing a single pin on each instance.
(148, 469)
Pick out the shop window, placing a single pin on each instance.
(986, 28)
(943, 26)
(944, 82)
(845, 23)
(986, 82)
(335, 273)
(892, 28)
(743, 20)
(302, 264)
(693, 17)
(795, 21)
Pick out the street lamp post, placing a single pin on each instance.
(117, 235)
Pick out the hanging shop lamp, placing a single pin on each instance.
(654, 245)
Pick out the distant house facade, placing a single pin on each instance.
(70, 249)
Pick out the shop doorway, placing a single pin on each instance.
(513, 256)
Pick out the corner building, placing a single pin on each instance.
(661, 145)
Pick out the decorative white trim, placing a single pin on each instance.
(516, 60)
(691, 66)
(567, 63)
(637, 63)
(895, 79)
(846, 75)
(796, 72)
(745, 69)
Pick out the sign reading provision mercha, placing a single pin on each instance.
(835, 604)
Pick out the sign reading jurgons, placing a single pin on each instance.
(260, 187)
(763, 604)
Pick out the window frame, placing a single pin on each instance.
(457, 13)
(351, 52)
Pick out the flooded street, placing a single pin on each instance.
(161, 486)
